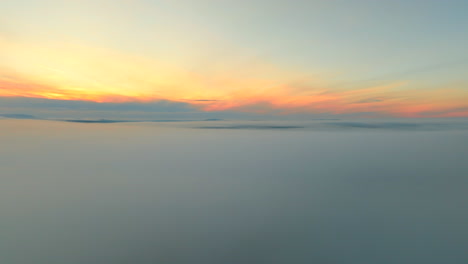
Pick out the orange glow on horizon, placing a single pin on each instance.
(271, 101)
(77, 73)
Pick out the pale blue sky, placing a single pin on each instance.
(362, 38)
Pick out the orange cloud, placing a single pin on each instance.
(385, 100)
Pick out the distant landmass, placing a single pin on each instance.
(96, 121)
(18, 116)
(104, 121)
(122, 121)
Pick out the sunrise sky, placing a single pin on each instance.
(402, 58)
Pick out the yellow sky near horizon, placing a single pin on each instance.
(76, 72)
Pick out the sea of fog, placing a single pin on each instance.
(224, 192)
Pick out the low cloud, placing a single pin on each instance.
(41, 103)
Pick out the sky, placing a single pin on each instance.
(388, 58)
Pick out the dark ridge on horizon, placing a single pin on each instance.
(19, 116)
(101, 121)
(251, 127)
(405, 126)
(107, 121)
(346, 125)
(324, 124)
